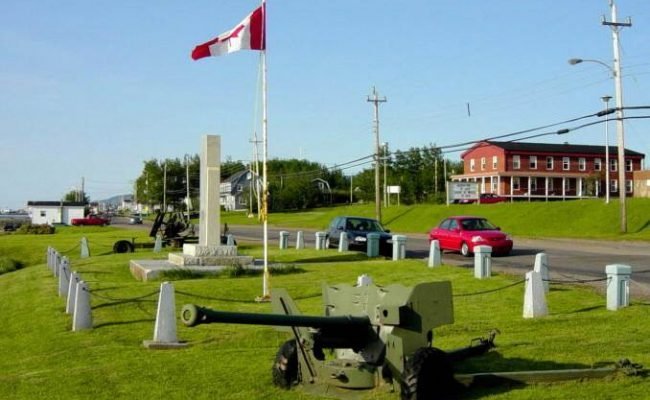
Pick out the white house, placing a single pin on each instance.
(54, 212)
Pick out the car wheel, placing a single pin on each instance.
(464, 249)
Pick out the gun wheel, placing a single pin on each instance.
(285, 367)
(428, 375)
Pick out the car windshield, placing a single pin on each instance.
(368, 225)
(477, 224)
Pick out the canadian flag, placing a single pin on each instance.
(250, 34)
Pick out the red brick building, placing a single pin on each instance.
(543, 170)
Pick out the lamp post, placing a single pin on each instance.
(606, 99)
(620, 130)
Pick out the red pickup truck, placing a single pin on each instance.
(90, 220)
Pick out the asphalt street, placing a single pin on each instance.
(568, 259)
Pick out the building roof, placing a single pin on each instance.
(56, 203)
(562, 148)
(554, 148)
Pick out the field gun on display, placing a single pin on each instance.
(378, 336)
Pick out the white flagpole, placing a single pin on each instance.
(265, 282)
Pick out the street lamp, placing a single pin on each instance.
(622, 187)
(606, 99)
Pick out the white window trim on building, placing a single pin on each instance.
(516, 162)
(472, 164)
(549, 161)
(532, 162)
(483, 163)
(597, 164)
(566, 163)
(582, 164)
(495, 162)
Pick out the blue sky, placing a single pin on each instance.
(93, 89)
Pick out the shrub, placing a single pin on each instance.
(36, 229)
(8, 265)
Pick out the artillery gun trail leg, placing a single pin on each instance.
(285, 367)
(428, 375)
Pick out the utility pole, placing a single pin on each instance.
(164, 188)
(385, 147)
(83, 189)
(376, 100)
(620, 129)
(606, 99)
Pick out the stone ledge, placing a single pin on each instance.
(184, 260)
(196, 250)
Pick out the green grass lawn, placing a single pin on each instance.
(587, 219)
(43, 359)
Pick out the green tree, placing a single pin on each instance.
(76, 196)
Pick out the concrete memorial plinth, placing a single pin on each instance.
(209, 256)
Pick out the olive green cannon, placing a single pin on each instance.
(374, 336)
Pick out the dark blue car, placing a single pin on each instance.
(356, 229)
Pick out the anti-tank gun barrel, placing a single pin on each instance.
(344, 331)
(193, 315)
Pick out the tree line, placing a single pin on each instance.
(296, 184)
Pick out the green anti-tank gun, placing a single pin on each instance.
(369, 336)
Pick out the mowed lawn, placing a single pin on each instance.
(43, 359)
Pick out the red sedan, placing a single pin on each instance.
(465, 232)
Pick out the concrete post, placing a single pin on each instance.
(57, 261)
(618, 286)
(284, 239)
(320, 240)
(372, 244)
(399, 247)
(85, 250)
(49, 256)
(81, 317)
(164, 334)
(435, 255)
(300, 241)
(64, 277)
(364, 280)
(230, 239)
(343, 242)
(541, 267)
(72, 292)
(534, 298)
(482, 262)
(157, 247)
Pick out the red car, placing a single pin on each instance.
(487, 198)
(90, 220)
(464, 232)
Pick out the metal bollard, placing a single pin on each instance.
(300, 241)
(482, 262)
(435, 255)
(399, 247)
(320, 240)
(343, 242)
(372, 248)
(618, 286)
(284, 239)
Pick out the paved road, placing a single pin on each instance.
(568, 258)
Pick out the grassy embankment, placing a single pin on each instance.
(587, 219)
(43, 359)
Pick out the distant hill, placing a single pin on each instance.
(116, 200)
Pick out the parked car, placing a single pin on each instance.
(91, 220)
(135, 219)
(486, 198)
(463, 233)
(357, 229)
